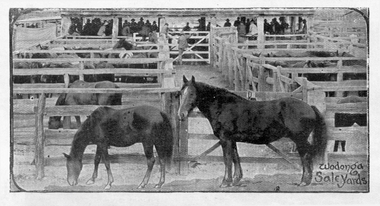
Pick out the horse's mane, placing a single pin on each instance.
(213, 91)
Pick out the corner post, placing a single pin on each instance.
(39, 140)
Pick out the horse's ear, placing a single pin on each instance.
(184, 79)
(192, 79)
(66, 155)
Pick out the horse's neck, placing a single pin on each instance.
(79, 144)
(207, 96)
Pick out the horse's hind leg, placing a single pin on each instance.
(227, 155)
(162, 160)
(96, 163)
(148, 149)
(162, 173)
(238, 173)
(304, 149)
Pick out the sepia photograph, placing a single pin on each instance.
(188, 100)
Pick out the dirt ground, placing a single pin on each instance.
(206, 176)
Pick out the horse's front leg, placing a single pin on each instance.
(238, 173)
(227, 155)
(96, 163)
(148, 149)
(107, 163)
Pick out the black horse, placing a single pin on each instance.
(235, 119)
(122, 128)
(85, 99)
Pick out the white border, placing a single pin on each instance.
(191, 198)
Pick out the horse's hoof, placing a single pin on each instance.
(225, 185)
(141, 186)
(90, 182)
(302, 184)
(158, 185)
(107, 187)
(236, 182)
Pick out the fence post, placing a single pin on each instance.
(183, 146)
(174, 106)
(66, 80)
(339, 77)
(230, 73)
(39, 140)
(81, 68)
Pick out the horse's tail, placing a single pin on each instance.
(319, 142)
(166, 139)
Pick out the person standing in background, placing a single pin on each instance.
(227, 23)
(237, 22)
(187, 27)
(182, 45)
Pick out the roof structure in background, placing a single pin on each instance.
(123, 12)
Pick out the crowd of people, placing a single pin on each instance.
(249, 26)
(96, 27)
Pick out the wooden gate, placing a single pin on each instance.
(198, 50)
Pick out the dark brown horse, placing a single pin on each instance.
(235, 119)
(122, 128)
(85, 99)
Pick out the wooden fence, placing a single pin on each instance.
(162, 94)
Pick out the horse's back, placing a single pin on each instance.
(111, 98)
(105, 84)
(93, 99)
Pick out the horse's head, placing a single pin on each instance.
(54, 122)
(188, 98)
(74, 167)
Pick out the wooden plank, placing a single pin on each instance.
(202, 136)
(334, 100)
(62, 85)
(266, 96)
(347, 83)
(312, 58)
(22, 86)
(345, 88)
(76, 71)
(85, 51)
(285, 157)
(89, 159)
(348, 107)
(93, 90)
(113, 60)
(343, 69)
(75, 110)
(264, 160)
